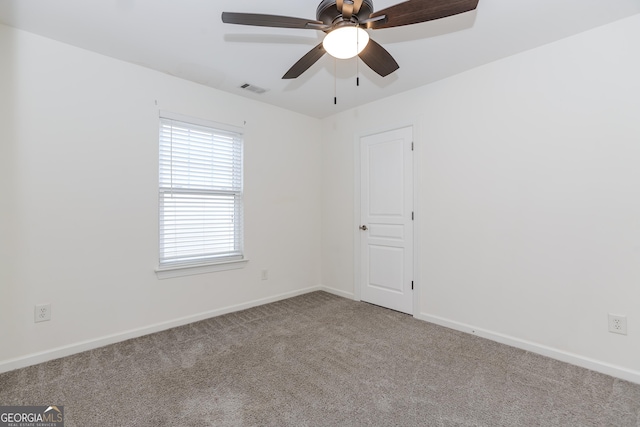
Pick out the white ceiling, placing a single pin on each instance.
(186, 38)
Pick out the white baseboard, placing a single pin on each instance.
(574, 359)
(68, 350)
(338, 292)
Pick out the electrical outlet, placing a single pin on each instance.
(42, 313)
(265, 274)
(618, 324)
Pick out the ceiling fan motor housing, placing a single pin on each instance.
(328, 12)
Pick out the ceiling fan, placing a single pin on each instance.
(344, 22)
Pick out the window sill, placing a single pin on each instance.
(189, 270)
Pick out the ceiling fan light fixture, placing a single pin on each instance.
(344, 22)
(345, 42)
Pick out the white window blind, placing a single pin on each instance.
(200, 194)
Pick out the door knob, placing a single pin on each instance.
(363, 227)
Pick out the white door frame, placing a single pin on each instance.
(416, 209)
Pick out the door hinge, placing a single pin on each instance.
(411, 146)
(412, 285)
(411, 216)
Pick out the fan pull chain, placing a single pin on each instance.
(357, 61)
(335, 93)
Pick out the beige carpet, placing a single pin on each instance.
(320, 360)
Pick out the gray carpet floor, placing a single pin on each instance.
(320, 360)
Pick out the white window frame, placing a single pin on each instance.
(181, 188)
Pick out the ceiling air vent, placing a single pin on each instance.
(253, 88)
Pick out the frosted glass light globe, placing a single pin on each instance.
(345, 42)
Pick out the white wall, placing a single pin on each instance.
(78, 216)
(528, 203)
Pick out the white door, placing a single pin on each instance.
(386, 227)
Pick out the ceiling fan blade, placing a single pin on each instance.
(416, 11)
(305, 62)
(378, 59)
(272, 21)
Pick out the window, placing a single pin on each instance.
(200, 193)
